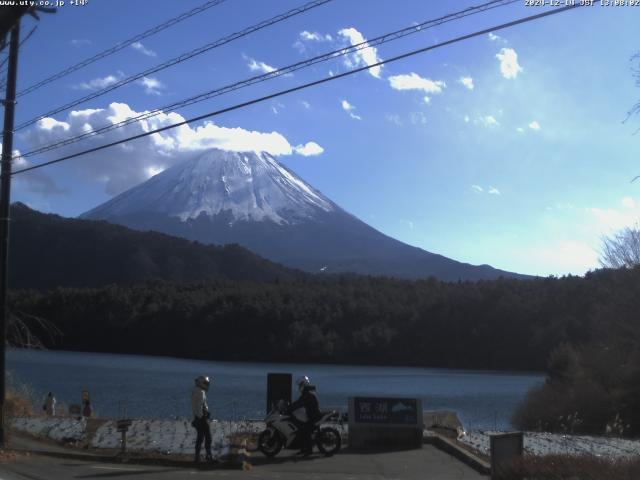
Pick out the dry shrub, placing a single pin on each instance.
(579, 407)
(572, 467)
(17, 404)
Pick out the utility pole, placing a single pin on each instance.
(5, 199)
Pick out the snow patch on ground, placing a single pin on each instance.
(53, 428)
(540, 443)
(150, 436)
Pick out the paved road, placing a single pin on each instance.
(414, 464)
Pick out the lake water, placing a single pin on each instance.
(159, 387)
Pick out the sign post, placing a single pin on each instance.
(505, 449)
(123, 426)
(278, 388)
(385, 423)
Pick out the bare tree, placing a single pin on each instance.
(621, 250)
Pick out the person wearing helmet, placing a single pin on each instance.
(201, 417)
(309, 403)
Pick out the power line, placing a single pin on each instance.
(182, 58)
(3, 71)
(122, 45)
(306, 85)
(276, 73)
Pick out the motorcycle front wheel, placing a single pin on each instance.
(270, 442)
(328, 440)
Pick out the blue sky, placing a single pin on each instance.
(507, 149)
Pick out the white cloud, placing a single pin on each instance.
(495, 38)
(138, 46)
(509, 66)
(347, 107)
(426, 100)
(418, 118)
(365, 55)
(306, 104)
(566, 256)
(153, 170)
(520, 130)
(534, 125)
(99, 83)
(466, 119)
(124, 166)
(408, 223)
(256, 66)
(413, 81)
(51, 123)
(151, 85)
(394, 118)
(490, 191)
(610, 220)
(489, 121)
(80, 42)
(467, 82)
(35, 181)
(309, 149)
(628, 202)
(315, 37)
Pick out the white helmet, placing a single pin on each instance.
(303, 382)
(202, 382)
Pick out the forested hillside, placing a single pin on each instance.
(502, 324)
(48, 251)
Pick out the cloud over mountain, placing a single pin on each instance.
(121, 167)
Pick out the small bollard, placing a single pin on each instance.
(506, 448)
(123, 426)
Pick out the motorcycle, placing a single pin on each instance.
(282, 431)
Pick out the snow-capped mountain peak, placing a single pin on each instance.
(247, 185)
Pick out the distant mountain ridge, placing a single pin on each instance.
(223, 197)
(49, 251)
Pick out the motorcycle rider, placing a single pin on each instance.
(201, 417)
(309, 402)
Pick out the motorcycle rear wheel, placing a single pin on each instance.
(270, 442)
(328, 440)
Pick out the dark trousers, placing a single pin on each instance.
(203, 433)
(307, 442)
(305, 432)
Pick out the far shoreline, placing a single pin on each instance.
(458, 370)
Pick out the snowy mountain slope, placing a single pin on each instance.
(225, 197)
(250, 186)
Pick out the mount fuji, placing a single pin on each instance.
(223, 197)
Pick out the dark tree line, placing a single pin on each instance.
(502, 324)
(593, 386)
(584, 331)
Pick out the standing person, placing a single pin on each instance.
(201, 417)
(50, 404)
(87, 410)
(309, 402)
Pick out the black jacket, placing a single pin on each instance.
(309, 402)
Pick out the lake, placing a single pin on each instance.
(159, 387)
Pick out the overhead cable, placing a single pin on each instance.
(182, 58)
(124, 44)
(304, 86)
(274, 74)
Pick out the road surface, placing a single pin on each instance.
(427, 462)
